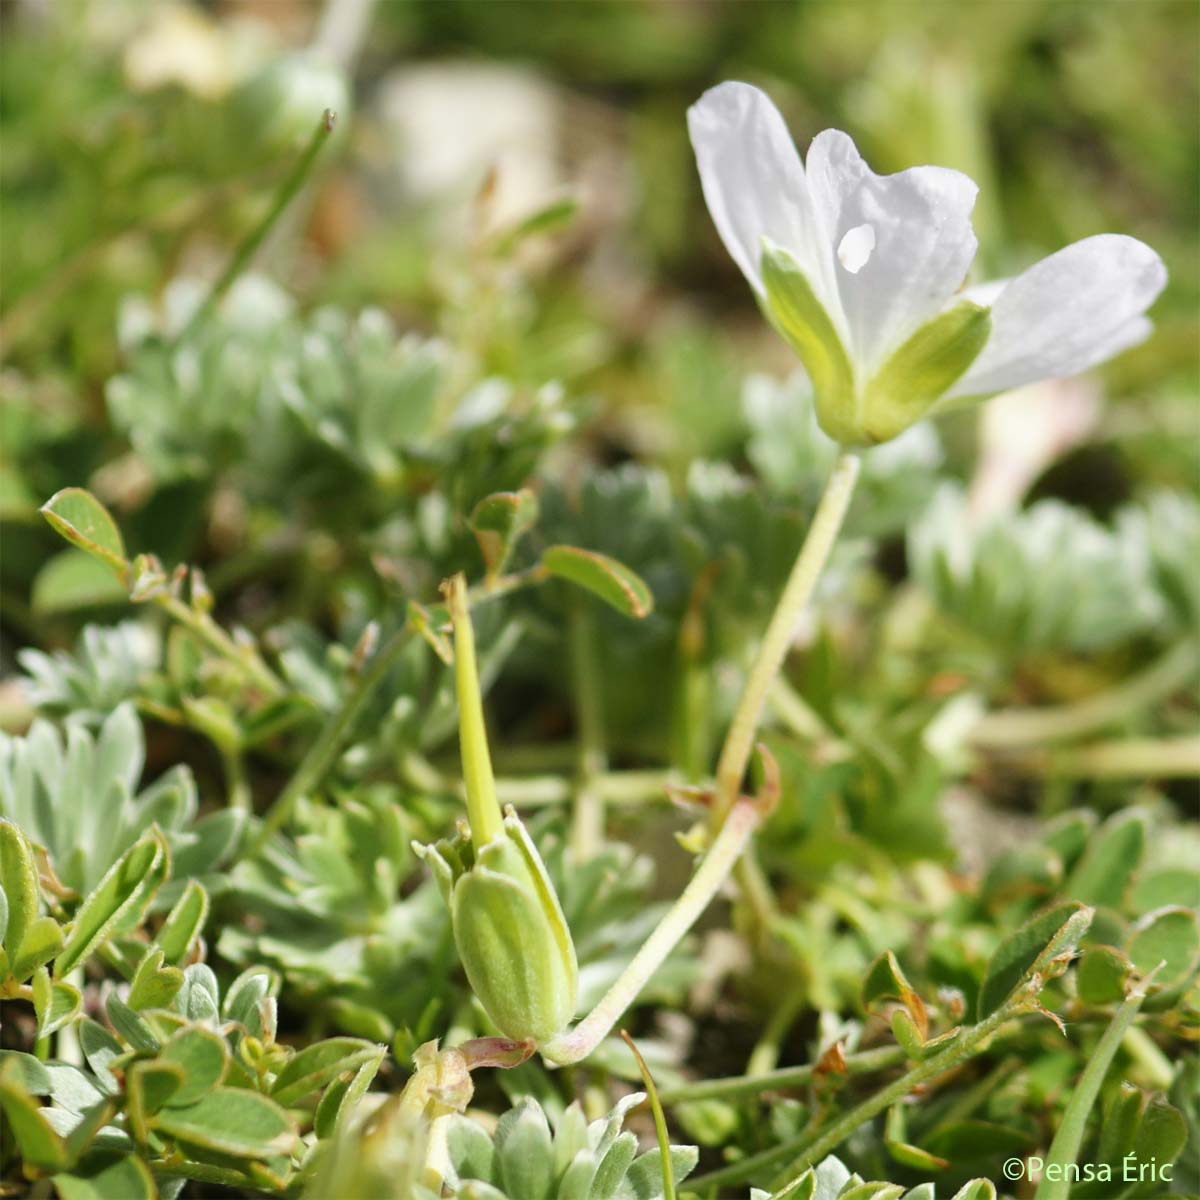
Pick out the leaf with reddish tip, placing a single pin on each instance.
(85, 522)
(612, 581)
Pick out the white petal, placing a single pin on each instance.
(1067, 313)
(924, 243)
(754, 182)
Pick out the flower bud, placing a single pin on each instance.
(509, 927)
(510, 931)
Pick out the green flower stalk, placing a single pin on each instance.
(509, 927)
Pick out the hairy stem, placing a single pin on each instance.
(1020, 727)
(245, 658)
(1065, 1148)
(780, 1079)
(242, 256)
(578, 1043)
(483, 809)
(734, 819)
(806, 1149)
(822, 533)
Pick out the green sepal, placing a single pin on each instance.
(922, 370)
(509, 927)
(803, 322)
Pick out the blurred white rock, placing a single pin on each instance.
(453, 123)
(183, 45)
(1021, 433)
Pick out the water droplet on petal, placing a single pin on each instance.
(854, 250)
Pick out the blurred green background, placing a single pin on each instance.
(137, 136)
(141, 142)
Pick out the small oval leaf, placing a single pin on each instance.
(154, 986)
(18, 878)
(314, 1066)
(1170, 937)
(231, 1121)
(40, 1146)
(499, 521)
(1029, 950)
(202, 1056)
(1112, 857)
(132, 879)
(72, 580)
(183, 924)
(1102, 974)
(127, 1178)
(55, 1003)
(85, 522)
(43, 941)
(612, 581)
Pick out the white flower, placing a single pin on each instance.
(862, 274)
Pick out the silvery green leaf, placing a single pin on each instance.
(44, 777)
(603, 1132)
(610, 1170)
(1028, 581)
(524, 1153)
(644, 1178)
(471, 1151)
(575, 1182)
(1167, 525)
(199, 998)
(570, 1137)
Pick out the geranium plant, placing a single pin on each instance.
(493, 707)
